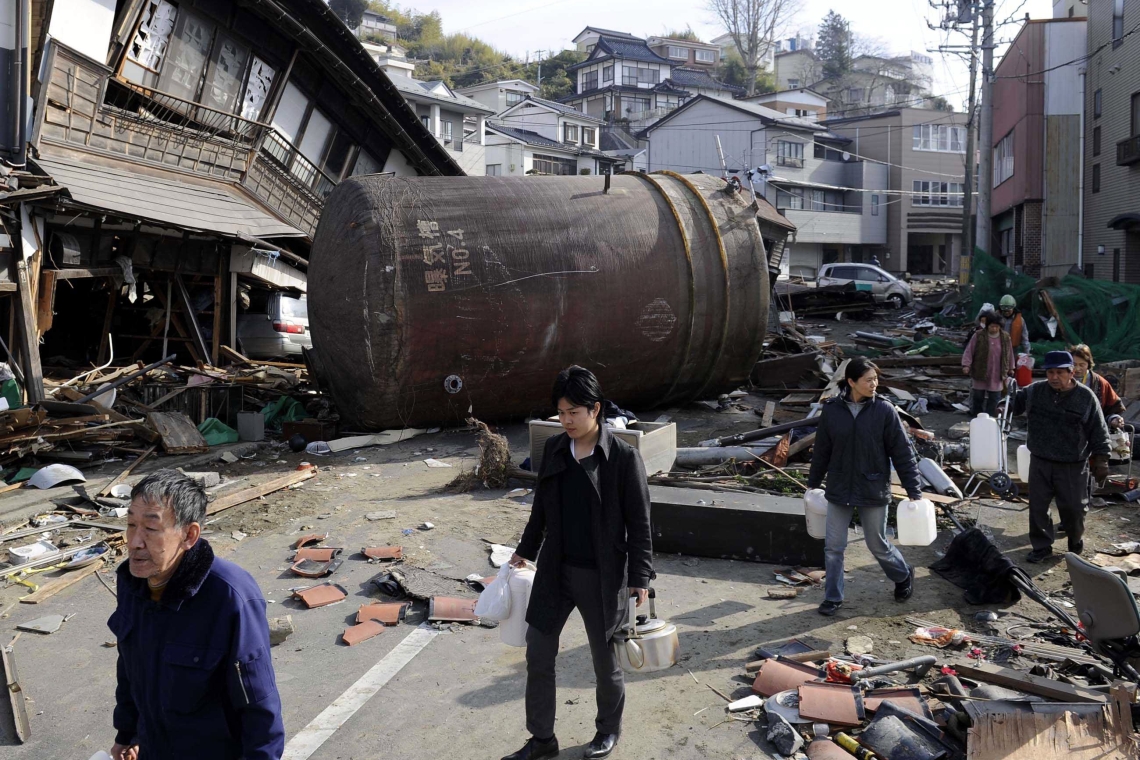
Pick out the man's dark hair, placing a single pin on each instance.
(858, 367)
(579, 385)
(993, 319)
(171, 488)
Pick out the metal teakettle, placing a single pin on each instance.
(644, 643)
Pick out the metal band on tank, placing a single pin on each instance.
(692, 282)
(724, 265)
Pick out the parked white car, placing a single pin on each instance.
(884, 286)
(275, 325)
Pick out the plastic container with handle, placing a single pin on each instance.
(512, 630)
(985, 444)
(916, 523)
(815, 510)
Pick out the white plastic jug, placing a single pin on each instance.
(512, 631)
(815, 509)
(1023, 463)
(985, 444)
(916, 523)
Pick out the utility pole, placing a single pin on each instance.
(982, 238)
(967, 251)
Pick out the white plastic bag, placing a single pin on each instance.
(495, 601)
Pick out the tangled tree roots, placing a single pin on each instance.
(494, 465)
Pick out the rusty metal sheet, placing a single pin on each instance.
(388, 613)
(775, 676)
(355, 634)
(383, 552)
(908, 698)
(836, 704)
(674, 265)
(451, 609)
(317, 553)
(310, 538)
(322, 595)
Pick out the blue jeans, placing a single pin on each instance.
(874, 520)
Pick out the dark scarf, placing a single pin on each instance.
(185, 582)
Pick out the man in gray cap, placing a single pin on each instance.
(1066, 428)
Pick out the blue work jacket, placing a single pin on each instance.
(195, 676)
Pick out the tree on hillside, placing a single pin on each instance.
(733, 71)
(687, 34)
(349, 11)
(754, 26)
(834, 45)
(556, 83)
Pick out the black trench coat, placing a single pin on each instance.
(619, 514)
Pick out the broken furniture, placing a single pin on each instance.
(655, 441)
(1107, 610)
(722, 525)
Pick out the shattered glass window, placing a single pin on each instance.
(257, 89)
(148, 48)
(227, 71)
(187, 57)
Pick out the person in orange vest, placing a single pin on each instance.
(1014, 324)
(1110, 403)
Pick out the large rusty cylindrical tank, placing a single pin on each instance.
(432, 298)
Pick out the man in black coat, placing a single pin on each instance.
(591, 519)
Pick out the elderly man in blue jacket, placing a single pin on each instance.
(195, 677)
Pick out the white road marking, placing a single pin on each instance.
(312, 736)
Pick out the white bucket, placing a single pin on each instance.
(815, 510)
(512, 631)
(917, 526)
(1023, 463)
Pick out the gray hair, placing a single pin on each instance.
(171, 488)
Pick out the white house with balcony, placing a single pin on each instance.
(454, 119)
(500, 95)
(837, 202)
(624, 79)
(543, 137)
(376, 26)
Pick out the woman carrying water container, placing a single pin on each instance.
(859, 437)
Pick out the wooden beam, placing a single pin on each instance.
(104, 340)
(82, 273)
(254, 492)
(56, 585)
(1039, 685)
(27, 336)
(191, 317)
(122, 475)
(45, 301)
(218, 293)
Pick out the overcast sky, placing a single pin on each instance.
(519, 26)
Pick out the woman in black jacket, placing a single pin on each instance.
(591, 519)
(859, 436)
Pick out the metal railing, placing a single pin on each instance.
(290, 158)
(191, 120)
(1128, 151)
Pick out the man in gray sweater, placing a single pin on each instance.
(1066, 428)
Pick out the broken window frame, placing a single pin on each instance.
(558, 166)
(150, 42)
(188, 57)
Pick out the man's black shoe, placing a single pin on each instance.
(535, 749)
(1076, 547)
(903, 589)
(601, 746)
(829, 608)
(1039, 555)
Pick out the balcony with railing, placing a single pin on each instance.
(1128, 151)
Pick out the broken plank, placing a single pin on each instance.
(1030, 684)
(769, 411)
(56, 585)
(806, 442)
(899, 493)
(15, 694)
(1051, 736)
(254, 492)
(179, 436)
(130, 468)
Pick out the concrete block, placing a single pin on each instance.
(753, 527)
(204, 479)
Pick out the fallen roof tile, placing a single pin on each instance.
(451, 608)
(311, 538)
(311, 568)
(383, 552)
(775, 676)
(355, 634)
(908, 698)
(388, 613)
(833, 703)
(317, 553)
(322, 595)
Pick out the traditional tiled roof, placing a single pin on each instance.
(698, 78)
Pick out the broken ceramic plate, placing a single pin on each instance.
(87, 557)
(121, 491)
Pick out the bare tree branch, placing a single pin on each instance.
(754, 26)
